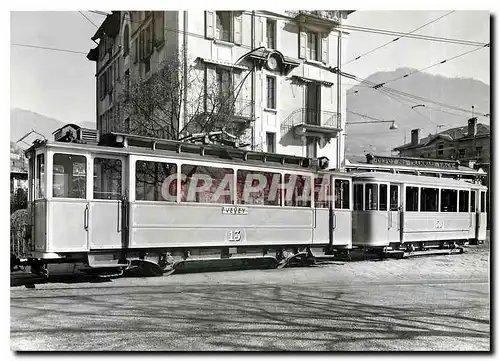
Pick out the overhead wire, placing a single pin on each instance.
(48, 48)
(90, 21)
(396, 39)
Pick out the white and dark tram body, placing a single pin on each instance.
(110, 207)
(417, 212)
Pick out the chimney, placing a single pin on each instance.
(472, 130)
(415, 136)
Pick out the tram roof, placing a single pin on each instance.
(415, 179)
(145, 146)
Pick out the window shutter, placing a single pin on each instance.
(263, 41)
(302, 44)
(324, 48)
(209, 24)
(237, 27)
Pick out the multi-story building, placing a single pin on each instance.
(278, 68)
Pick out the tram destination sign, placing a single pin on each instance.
(413, 162)
(234, 210)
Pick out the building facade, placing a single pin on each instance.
(278, 68)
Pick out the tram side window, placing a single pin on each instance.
(371, 197)
(383, 197)
(429, 199)
(297, 190)
(411, 199)
(258, 187)
(155, 181)
(394, 198)
(463, 201)
(203, 184)
(40, 176)
(358, 197)
(322, 191)
(342, 194)
(70, 176)
(483, 202)
(448, 200)
(107, 178)
(473, 201)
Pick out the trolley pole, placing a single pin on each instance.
(339, 91)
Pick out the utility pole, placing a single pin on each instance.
(339, 91)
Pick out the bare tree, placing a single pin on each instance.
(178, 100)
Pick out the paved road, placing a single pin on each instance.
(431, 303)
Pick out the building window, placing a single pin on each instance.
(126, 41)
(223, 25)
(271, 92)
(463, 201)
(271, 142)
(448, 200)
(411, 199)
(159, 34)
(461, 153)
(429, 199)
(70, 176)
(311, 151)
(479, 151)
(440, 149)
(312, 52)
(271, 33)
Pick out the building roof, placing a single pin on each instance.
(452, 134)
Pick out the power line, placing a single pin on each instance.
(366, 116)
(413, 36)
(396, 39)
(49, 48)
(407, 95)
(90, 21)
(433, 65)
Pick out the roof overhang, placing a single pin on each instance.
(222, 63)
(110, 26)
(306, 80)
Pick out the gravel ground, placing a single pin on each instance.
(424, 303)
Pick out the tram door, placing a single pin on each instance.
(481, 217)
(394, 218)
(106, 209)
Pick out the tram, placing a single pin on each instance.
(419, 210)
(136, 200)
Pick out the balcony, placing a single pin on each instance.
(312, 122)
(324, 18)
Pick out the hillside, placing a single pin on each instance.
(377, 138)
(22, 121)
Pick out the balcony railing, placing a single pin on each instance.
(305, 116)
(327, 15)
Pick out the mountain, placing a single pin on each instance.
(378, 139)
(22, 121)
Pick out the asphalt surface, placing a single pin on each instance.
(428, 303)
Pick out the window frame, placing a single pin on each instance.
(274, 35)
(133, 176)
(271, 139)
(88, 174)
(462, 209)
(230, 30)
(123, 168)
(406, 198)
(271, 92)
(453, 204)
(398, 203)
(421, 199)
(317, 47)
(350, 190)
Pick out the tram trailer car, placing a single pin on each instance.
(416, 212)
(131, 201)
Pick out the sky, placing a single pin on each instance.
(62, 85)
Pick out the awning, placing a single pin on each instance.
(310, 80)
(223, 63)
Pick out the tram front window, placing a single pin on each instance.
(70, 176)
(371, 197)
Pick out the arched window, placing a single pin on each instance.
(125, 41)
